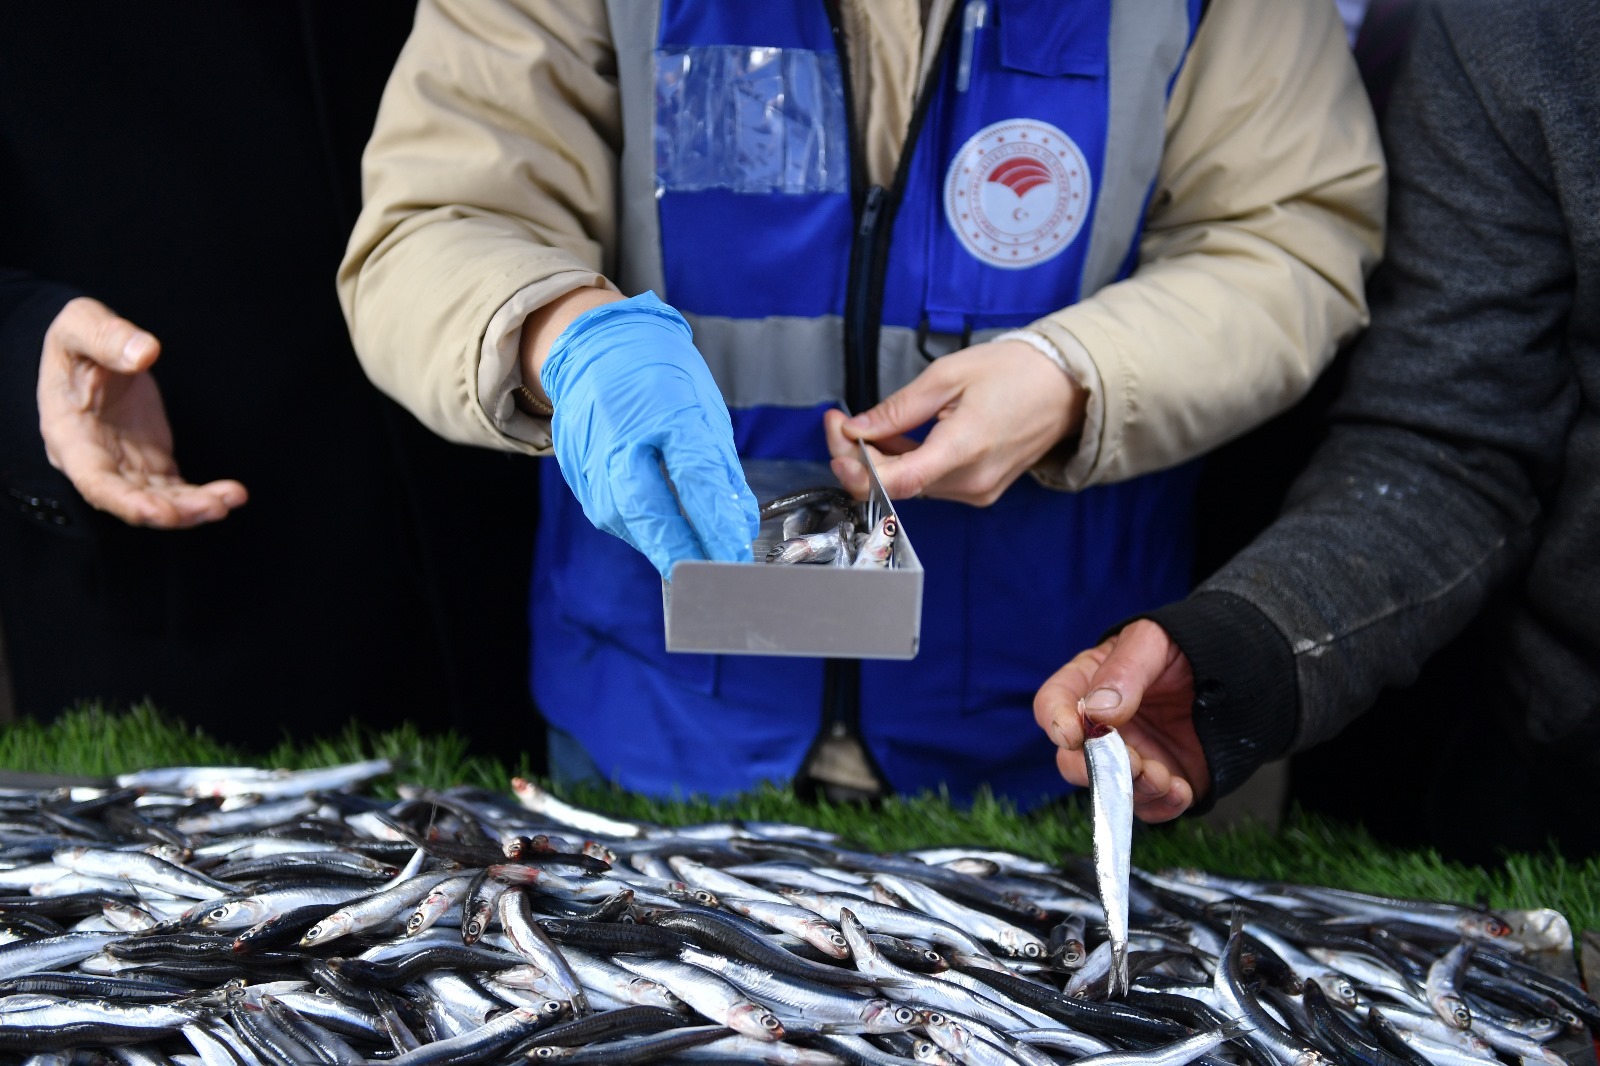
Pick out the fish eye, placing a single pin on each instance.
(545, 1052)
(551, 1006)
(218, 914)
(771, 1023)
(935, 1018)
(1460, 1014)
(314, 932)
(905, 1015)
(1030, 951)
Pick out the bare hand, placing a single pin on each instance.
(105, 428)
(1141, 684)
(999, 408)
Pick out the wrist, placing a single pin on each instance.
(540, 330)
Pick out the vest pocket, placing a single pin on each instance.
(1053, 38)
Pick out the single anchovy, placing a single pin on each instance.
(481, 1043)
(336, 1014)
(741, 1048)
(616, 982)
(796, 921)
(917, 989)
(725, 934)
(613, 1024)
(632, 1050)
(1176, 1053)
(1444, 976)
(721, 882)
(794, 875)
(1368, 972)
(260, 816)
(846, 555)
(461, 997)
(56, 1025)
(1011, 939)
(178, 780)
(237, 915)
(808, 548)
(543, 803)
(52, 952)
(1007, 861)
(326, 1045)
(1339, 1034)
(1469, 922)
(374, 909)
(796, 1002)
(878, 549)
(535, 945)
(966, 1042)
(709, 994)
(286, 783)
(821, 498)
(1239, 1004)
(1111, 800)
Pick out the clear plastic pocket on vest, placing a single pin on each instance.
(818, 608)
(750, 120)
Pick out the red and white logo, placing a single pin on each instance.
(1017, 193)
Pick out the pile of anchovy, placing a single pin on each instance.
(224, 916)
(825, 525)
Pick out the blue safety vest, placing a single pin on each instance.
(743, 206)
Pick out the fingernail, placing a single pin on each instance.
(1057, 737)
(1102, 700)
(135, 349)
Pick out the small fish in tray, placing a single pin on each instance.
(238, 916)
(825, 525)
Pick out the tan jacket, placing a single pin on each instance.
(490, 189)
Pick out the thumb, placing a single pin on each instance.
(88, 328)
(1142, 654)
(904, 410)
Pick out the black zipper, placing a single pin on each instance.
(875, 209)
(875, 213)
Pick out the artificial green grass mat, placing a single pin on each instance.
(88, 741)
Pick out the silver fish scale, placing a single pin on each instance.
(384, 986)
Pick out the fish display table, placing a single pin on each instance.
(236, 915)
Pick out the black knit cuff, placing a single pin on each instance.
(1247, 698)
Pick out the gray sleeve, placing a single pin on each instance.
(1426, 496)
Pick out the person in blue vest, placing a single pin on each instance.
(655, 239)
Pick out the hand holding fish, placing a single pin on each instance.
(105, 427)
(996, 408)
(1139, 683)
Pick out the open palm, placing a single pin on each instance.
(105, 427)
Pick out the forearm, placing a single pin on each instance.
(1392, 542)
(1266, 217)
(489, 192)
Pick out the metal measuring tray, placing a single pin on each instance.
(805, 609)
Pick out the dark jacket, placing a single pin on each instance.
(196, 168)
(1462, 473)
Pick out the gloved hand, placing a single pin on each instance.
(631, 393)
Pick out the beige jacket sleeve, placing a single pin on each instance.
(1266, 216)
(489, 188)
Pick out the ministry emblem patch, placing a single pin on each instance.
(1017, 193)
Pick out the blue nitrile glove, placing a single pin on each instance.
(631, 393)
